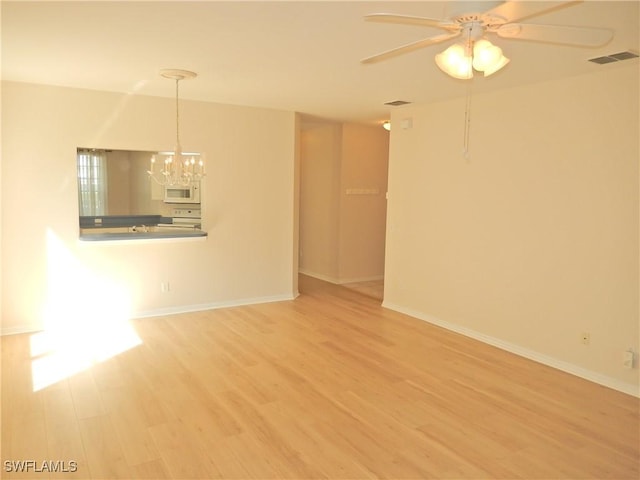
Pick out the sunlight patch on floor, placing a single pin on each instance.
(86, 319)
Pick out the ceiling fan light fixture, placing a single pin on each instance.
(500, 63)
(454, 62)
(487, 57)
(485, 54)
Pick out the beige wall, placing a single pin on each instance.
(248, 206)
(320, 148)
(534, 239)
(342, 230)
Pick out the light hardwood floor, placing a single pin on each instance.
(372, 288)
(330, 385)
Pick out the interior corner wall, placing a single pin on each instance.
(320, 151)
(533, 239)
(296, 208)
(247, 207)
(343, 201)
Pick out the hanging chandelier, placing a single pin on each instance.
(177, 167)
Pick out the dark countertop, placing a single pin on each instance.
(101, 237)
(109, 221)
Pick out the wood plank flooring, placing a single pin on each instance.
(372, 288)
(330, 385)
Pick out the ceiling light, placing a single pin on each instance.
(459, 61)
(387, 125)
(177, 167)
(455, 62)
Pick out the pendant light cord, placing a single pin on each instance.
(177, 118)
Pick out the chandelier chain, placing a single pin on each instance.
(177, 114)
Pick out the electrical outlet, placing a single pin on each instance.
(627, 359)
(585, 338)
(165, 287)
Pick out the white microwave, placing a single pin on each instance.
(182, 193)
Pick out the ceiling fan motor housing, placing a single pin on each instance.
(488, 21)
(472, 31)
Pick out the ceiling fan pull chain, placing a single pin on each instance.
(467, 122)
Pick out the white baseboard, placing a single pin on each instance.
(171, 311)
(19, 330)
(319, 276)
(567, 367)
(339, 281)
(375, 278)
(210, 306)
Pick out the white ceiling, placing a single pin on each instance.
(301, 56)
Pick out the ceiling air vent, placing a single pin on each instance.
(614, 57)
(397, 103)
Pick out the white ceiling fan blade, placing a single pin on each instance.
(560, 34)
(411, 20)
(515, 11)
(410, 47)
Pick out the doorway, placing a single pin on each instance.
(343, 184)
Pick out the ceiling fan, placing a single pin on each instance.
(475, 52)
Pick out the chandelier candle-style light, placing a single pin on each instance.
(177, 167)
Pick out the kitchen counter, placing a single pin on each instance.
(157, 234)
(111, 221)
(135, 228)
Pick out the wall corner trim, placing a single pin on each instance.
(567, 367)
